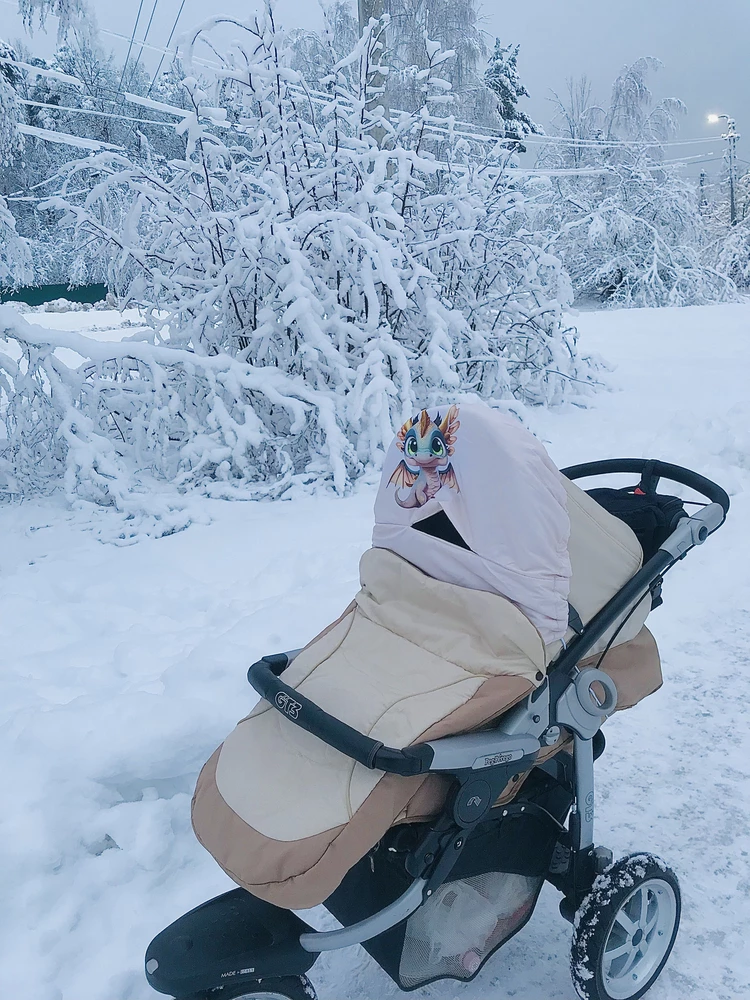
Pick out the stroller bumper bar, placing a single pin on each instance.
(470, 752)
(264, 678)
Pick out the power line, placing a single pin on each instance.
(161, 61)
(39, 71)
(488, 134)
(612, 143)
(98, 114)
(130, 48)
(66, 138)
(143, 42)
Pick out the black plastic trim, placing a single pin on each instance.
(651, 471)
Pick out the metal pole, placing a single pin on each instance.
(703, 202)
(731, 135)
(732, 138)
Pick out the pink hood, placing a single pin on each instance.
(501, 492)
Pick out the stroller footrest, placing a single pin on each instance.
(233, 938)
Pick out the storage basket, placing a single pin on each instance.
(490, 894)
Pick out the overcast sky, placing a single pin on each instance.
(703, 45)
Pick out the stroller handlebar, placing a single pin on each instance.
(264, 678)
(651, 471)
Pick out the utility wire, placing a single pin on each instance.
(166, 50)
(180, 113)
(98, 114)
(130, 48)
(143, 41)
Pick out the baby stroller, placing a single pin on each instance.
(435, 892)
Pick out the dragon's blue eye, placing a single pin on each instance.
(411, 446)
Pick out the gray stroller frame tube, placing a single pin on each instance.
(379, 922)
(582, 817)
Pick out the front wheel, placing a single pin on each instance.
(287, 988)
(625, 929)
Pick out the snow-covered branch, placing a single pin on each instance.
(308, 288)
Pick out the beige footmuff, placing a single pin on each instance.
(480, 549)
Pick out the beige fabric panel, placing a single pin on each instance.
(391, 705)
(358, 675)
(604, 555)
(294, 874)
(303, 872)
(604, 552)
(311, 657)
(477, 630)
(635, 667)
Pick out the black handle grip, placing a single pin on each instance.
(657, 470)
(263, 676)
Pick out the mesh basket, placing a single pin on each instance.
(465, 920)
(459, 927)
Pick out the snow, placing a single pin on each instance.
(96, 323)
(124, 667)
(38, 71)
(65, 138)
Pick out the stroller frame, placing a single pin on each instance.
(481, 765)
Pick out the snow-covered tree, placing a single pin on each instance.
(70, 94)
(308, 287)
(453, 23)
(68, 12)
(626, 225)
(14, 252)
(11, 140)
(503, 80)
(314, 54)
(729, 253)
(15, 258)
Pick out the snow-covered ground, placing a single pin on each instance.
(98, 323)
(122, 668)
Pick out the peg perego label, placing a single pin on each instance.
(504, 757)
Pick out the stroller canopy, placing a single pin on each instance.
(470, 497)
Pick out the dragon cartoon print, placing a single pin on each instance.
(427, 445)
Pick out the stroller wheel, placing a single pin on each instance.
(287, 988)
(625, 929)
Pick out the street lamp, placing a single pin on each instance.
(731, 136)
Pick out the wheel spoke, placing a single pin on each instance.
(616, 953)
(643, 894)
(630, 926)
(634, 955)
(651, 924)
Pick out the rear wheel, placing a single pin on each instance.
(625, 929)
(287, 988)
